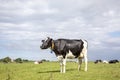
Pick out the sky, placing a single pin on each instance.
(24, 23)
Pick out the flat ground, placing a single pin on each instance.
(50, 71)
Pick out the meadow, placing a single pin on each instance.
(50, 71)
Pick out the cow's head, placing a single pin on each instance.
(46, 43)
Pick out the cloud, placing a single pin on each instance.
(26, 23)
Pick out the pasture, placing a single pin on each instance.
(50, 71)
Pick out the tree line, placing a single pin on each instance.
(9, 60)
(18, 60)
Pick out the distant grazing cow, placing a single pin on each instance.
(113, 61)
(98, 61)
(37, 62)
(104, 61)
(67, 48)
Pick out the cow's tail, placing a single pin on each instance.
(85, 47)
(85, 44)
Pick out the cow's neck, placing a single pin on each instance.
(52, 45)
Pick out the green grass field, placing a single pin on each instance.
(50, 71)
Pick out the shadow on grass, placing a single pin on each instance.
(55, 71)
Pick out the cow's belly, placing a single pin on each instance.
(59, 57)
(70, 55)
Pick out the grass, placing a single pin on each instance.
(51, 71)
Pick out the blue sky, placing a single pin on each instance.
(24, 23)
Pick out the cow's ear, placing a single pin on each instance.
(49, 38)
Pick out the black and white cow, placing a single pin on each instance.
(113, 61)
(98, 61)
(67, 49)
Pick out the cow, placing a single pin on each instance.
(98, 61)
(67, 49)
(37, 62)
(105, 61)
(113, 61)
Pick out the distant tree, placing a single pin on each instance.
(1, 60)
(25, 60)
(18, 60)
(44, 60)
(6, 60)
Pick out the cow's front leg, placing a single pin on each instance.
(61, 66)
(64, 65)
(60, 59)
(86, 60)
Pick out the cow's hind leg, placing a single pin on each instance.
(86, 60)
(79, 63)
(84, 51)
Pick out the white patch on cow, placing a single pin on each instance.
(84, 50)
(81, 55)
(70, 55)
(85, 44)
(60, 57)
